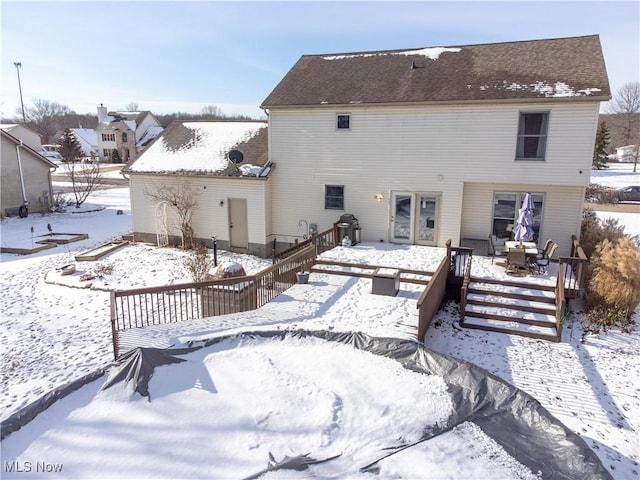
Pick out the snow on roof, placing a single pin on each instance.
(149, 134)
(432, 53)
(87, 134)
(559, 89)
(203, 147)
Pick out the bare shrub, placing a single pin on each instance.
(594, 231)
(597, 193)
(198, 263)
(183, 198)
(613, 289)
(103, 269)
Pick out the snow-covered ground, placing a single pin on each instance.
(223, 411)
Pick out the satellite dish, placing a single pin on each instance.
(235, 156)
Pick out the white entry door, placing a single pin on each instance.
(414, 218)
(402, 217)
(238, 225)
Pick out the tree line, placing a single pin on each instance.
(49, 118)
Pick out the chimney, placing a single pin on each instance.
(102, 113)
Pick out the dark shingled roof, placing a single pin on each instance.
(178, 137)
(567, 68)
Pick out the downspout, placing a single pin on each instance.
(24, 192)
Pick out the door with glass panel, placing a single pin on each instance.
(414, 218)
(402, 217)
(426, 219)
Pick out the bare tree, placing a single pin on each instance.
(85, 178)
(182, 197)
(132, 107)
(625, 108)
(212, 111)
(44, 117)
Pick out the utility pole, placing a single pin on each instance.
(18, 65)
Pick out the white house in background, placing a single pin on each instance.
(25, 184)
(625, 154)
(430, 144)
(88, 140)
(127, 132)
(233, 199)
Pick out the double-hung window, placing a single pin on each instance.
(532, 135)
(334, 197)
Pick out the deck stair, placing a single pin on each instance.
(515, 308)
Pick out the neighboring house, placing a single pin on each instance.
(625, 154)
(25, 134)
(25, 177)
(193, 157)
(432, 144)
(127, 132)
(88, 140)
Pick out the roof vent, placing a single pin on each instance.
(413, 65)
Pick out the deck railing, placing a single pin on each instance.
(189, 301)
(462, 268)
(322, 242)
(429, 302)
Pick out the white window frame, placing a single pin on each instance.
(542, 137)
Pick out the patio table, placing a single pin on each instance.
(530, 248)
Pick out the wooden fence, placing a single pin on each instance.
(178, 303)
(322, 242)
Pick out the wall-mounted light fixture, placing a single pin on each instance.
(379, 197)
(222, 203)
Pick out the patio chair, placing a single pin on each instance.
(492, 250)
(543, 263)
(544, 250)
(517, 259)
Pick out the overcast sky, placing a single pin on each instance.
(170, 56)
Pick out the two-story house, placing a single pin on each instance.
(127, 132)
(430, 144)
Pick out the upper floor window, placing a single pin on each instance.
(108, 137)
(124, 137)
(343, 121)
(532, 135)
(334, 197)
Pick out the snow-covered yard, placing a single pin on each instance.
(235, 401)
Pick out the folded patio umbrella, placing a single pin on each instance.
(523, 231)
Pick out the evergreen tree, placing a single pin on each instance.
(70, 149)
(115, 156)
(600, 149)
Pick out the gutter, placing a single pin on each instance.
(24, 193)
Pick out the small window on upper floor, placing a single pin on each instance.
(343, 121)
(532, 136)
(124, 137)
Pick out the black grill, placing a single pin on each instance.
(348, 227)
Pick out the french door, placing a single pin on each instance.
(414, 218)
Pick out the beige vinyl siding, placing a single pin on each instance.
(561, 217)
(210, 218)
(432, 149)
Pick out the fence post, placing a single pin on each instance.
(273, 251)
(114, 319)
